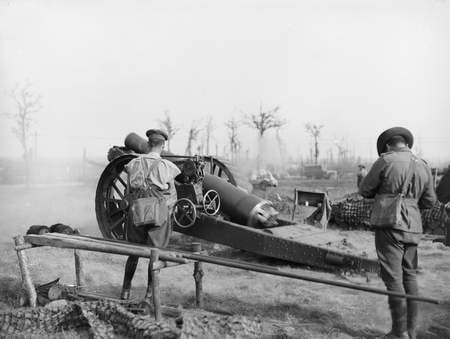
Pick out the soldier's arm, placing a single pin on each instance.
(167, 171)
(369, 185)
(428, 197)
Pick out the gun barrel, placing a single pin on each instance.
(242, 208)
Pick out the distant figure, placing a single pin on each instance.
(397, 172)
(362, 172)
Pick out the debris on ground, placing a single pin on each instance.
(106, 319)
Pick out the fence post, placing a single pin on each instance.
(198, 276)
(79, 274)
(447, 229)
(154, 257)
(19, 241)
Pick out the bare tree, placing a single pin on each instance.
(264, 121)
(314, 130)
(27, 104)
(342, 155)
(235, 144)
(209, 127)
(342, 150)
(281, 146)
(192, 136)
(168, 125)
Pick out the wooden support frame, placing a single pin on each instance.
(76, 242)
(117, 247)
(198, 277)
(79, 272)
(155, 285)
(447, 232)
(27, 281)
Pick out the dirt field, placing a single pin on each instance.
(298, 309)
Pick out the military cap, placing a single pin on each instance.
(157, 134)
(391, 132)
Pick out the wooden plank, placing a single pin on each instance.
(198, 276)
(105, 246)
(156, 296)
(25, 272)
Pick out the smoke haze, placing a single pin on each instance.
(106, 68)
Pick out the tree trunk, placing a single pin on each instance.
(27, 169)
(316, 150)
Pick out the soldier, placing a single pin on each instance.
(396, 245)
(160, 175)
(362, 172)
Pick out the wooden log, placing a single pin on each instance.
(25, 272)
(79, 272)
(184, 257)
(105, 246)
(155, 285)
(447, 232)
(198, 277)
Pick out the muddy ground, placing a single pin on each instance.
(298, 309)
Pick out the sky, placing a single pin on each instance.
(107, 68)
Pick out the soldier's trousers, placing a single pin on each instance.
(397, 255)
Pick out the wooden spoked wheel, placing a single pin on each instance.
(111, 205)
(218, 168)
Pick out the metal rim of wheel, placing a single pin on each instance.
(218, 168)
(184, 213)
(111, 206)
(211, 202)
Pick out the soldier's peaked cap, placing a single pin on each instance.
(157, 134)
(391, 132)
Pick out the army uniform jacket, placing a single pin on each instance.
(387, 176)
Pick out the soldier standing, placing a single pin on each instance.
(396, 244)
(362, 172)
(160, 174)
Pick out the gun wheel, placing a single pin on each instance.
(211, 202)
(111, 203)
(184, 213)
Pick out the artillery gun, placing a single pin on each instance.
(211, 206)
(189, 187)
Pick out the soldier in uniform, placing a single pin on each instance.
(161, 174)
(396, 246)
(362, 172)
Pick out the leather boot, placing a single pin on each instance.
(398, 310)
(412, 318)
(125, 295)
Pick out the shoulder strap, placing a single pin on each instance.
(147, 169)
(155, 163)
(409, 176)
